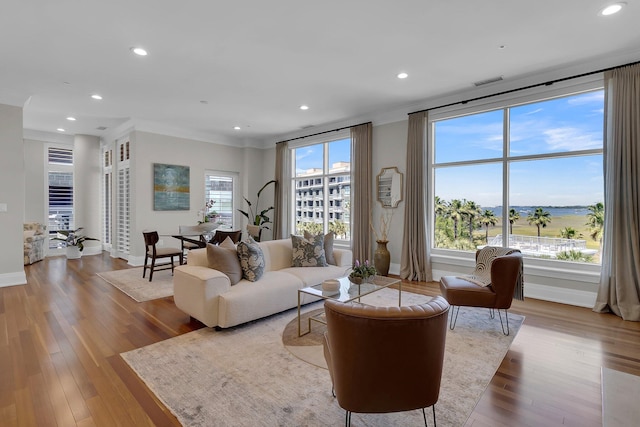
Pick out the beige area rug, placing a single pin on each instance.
(130, 282)
(244, 376)
(620, 392)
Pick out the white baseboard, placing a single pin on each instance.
(13, 279)
(562, 295)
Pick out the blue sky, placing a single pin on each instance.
(311, 156)
(559, 125)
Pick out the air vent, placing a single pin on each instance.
(101, 128)
(486, 82)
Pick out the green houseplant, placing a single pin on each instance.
(74, 241)
(255, 216)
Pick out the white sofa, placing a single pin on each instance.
(207, 294)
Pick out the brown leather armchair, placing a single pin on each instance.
(506, 273)
(385, 359)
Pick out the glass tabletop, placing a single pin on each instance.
(349, 291)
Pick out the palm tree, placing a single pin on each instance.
(487, 219)
(471, 211)
(539, 218)
(569, 233)
(595, 221)
(456, 212)
(513, 217)
(439, 206)
(339, 228)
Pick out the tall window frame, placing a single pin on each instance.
(60, 193)
(504, 161)
(320, 197)
(222, 188)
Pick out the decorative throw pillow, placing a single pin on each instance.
(228, 244)
(251, 260)
(226, 261)
(328, 246)
(308, 253)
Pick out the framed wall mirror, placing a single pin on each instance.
(389, 182)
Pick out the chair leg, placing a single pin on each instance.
(506, 315)
(153, 267)
(144, 268)
(492, 313)
(424, 415)
(347, 420)
(433, 407)
(453, 316)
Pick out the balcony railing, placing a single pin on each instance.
(543, 246)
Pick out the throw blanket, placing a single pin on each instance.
(482, 274)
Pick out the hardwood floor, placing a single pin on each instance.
(62, 333)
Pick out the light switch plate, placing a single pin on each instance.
(3, 207)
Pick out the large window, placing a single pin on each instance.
(219, 190)
(528, 176)
(60, 192)
(321, 186)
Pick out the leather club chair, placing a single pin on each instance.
(385, 359)
(505, 275)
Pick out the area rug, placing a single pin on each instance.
(620, 392)
(244, 376)
(130, 282)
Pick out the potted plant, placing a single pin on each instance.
(208, 218)
(257, 218)
(361, 273)
(74, 241)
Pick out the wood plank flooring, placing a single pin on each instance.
(62, 333)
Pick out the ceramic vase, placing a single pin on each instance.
(382, 258)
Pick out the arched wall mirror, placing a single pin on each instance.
(389, 184)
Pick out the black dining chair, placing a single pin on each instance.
(153, 253)
(221, 235)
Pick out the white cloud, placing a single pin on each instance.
(595, 97)
(571, 139)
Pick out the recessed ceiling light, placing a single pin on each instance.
(139, 51)
(304, 107)
(71, 119)
(236, 128)
(96, 96)
(60, 130)
(204, 102)
(612, 8)
(403, 75)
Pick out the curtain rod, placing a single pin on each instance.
(549, 83)
(322, 133)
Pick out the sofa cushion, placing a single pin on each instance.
(328, 246)
(308, 253)
(251, 260)
(226, 261)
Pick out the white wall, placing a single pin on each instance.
(12, 194)
(389, 150)
(86, 188)
(34, 161)
(149, 148)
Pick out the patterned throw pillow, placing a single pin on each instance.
(308, 253)
(328, 246)
(251, 260)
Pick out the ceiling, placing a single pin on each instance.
(213, 65)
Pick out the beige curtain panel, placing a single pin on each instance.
(361, 143)
(280, 217)
(415, 263)
(619, 290)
